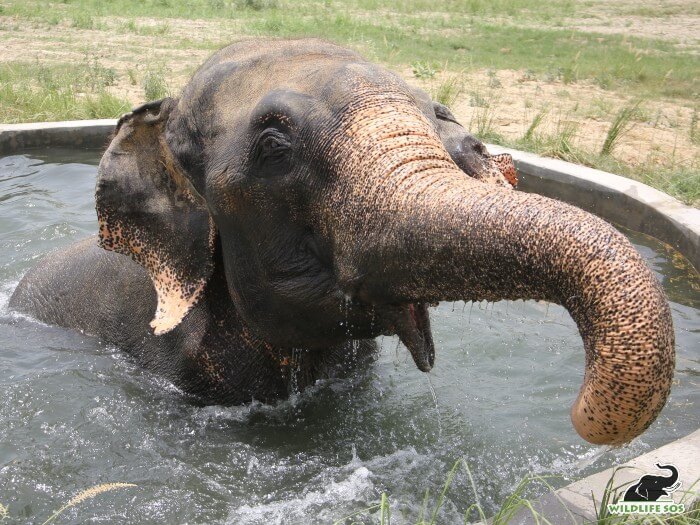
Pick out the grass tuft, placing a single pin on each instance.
(448, 90)
(529, 133)
(694, 132)
(482, 119)
(422, 70)
(154, 85)
(621, 124)
(82, 20)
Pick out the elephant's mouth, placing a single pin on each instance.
(411, 323)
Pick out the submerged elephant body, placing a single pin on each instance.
(297, 201)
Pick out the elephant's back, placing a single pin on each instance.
(86, 288)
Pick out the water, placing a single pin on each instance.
(75, 413)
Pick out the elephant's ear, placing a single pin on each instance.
(147, 210)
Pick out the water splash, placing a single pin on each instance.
(435, 402)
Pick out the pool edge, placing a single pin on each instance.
(89, 134)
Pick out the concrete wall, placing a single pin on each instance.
(91, 134)
(619, 200)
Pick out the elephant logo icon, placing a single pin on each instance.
(651, 488)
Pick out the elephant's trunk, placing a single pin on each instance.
(430, 233)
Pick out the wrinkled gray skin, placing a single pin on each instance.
(296, 202)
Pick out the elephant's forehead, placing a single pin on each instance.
(240, 77)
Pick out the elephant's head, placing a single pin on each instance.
(332, 196)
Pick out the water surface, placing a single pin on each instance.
(75, 413)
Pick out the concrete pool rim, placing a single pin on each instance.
(620, 200)
(623, 201)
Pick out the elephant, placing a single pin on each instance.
(651, 488)
(296, 201)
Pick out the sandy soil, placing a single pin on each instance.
(680, 22)
(661, 129)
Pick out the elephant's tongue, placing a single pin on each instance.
(413, 328)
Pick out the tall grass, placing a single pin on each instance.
(482, 119)
(539, 118)
(154, 84)
(448, 90)
(85, 495)
(33, 92)
(621, 124)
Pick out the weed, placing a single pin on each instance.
(83, 21)
(493, 80)
(75, 500)
(422, 70)
(97, 77)
(154, 84)
(129, 26)
(603, 80)
(527, 76)
(257, 5)
(449, 90)
(561, 144)
(482, 121)
(477, 100)
(535, 124)
(516, 504)
(694, 132)
(104, 104)
(568, 75)
(621, 124)
(132, 76)
(31, 92)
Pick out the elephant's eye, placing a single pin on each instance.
(273, 154)
(273, 145)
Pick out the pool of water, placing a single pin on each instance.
(75, 413)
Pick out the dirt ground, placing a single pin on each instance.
(661, 131)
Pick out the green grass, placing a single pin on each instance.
(442, 31)
(448, 90)
(621, 124)
(33, 92)
(154, 84)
